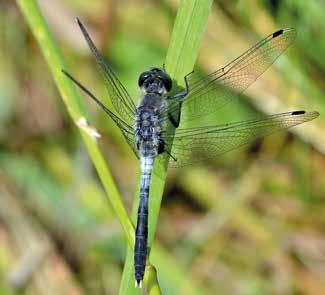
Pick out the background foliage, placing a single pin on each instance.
(251, 222)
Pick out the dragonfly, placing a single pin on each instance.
(145, 126)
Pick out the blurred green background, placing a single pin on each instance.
(251, 222)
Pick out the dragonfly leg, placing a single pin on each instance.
(175, 118)
(187, 89)
(178, 96)
(184, 92)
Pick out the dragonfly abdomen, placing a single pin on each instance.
(141, 233)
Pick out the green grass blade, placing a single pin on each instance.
(73, 102)
(188, 28)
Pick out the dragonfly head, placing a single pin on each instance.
(155, 80)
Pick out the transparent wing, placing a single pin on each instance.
(122, 102)
(126, 129)
(213, 91)
(193, 145)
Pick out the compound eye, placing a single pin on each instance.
(143, 77)
(167, 83)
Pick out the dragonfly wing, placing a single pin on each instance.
(193, 145)
(122, 102)
(208, 94)
(126, 129)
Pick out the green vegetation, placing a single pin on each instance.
(251, 222)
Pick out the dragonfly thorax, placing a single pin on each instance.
(148, 125)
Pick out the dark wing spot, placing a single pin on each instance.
(277, 33)
(298, 113)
